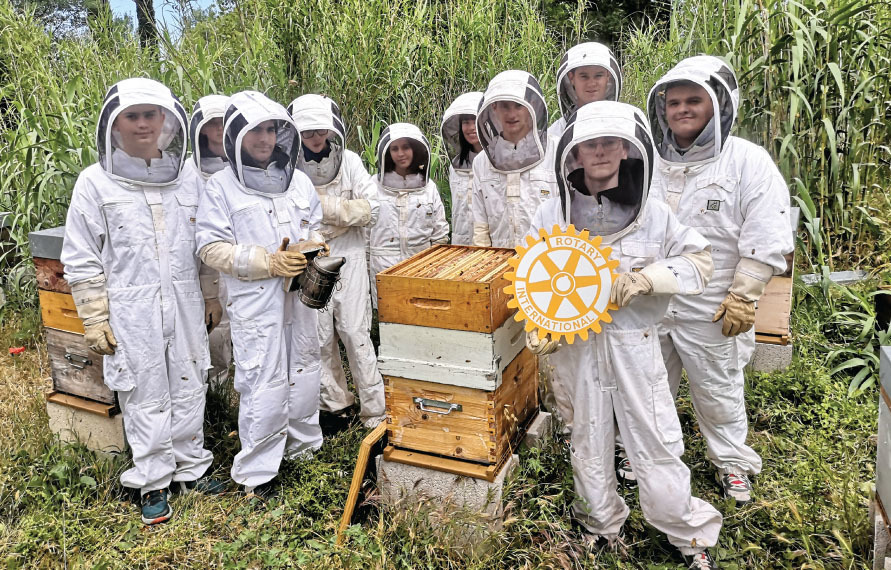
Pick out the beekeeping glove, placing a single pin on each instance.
(540, 346)
(738, 315)
(251, 262)
(91, 302)
(628, 286)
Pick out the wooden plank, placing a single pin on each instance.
(50, 275)
(771, 339)
(58, 312)
(885, 397)
(468, 434)
(516, 402)
(774, 308)
(106, 410)
(454, 466)
(76, 369)
(358, 475)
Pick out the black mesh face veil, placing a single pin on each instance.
(420, 148)
(515, 97)
(718, 80)
(141, 135)
(464, 107)
(581, 56)
(250, 110)
(604, 160)
(315, 113)
(206, 109)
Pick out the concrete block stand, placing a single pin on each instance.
(476, 503)
(771, 357)
(98, 433)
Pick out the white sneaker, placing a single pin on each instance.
(624, 473)
(736, 486)
(701, 561)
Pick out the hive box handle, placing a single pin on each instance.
(447, 406)
(439, 304)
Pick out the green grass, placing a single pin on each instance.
(62, 503)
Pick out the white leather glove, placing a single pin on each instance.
(628, 286)
(99, 338)
(540, 346)
(91, 301)
(738, 315)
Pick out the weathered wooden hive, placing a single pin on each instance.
(77, 375)
(460, 384)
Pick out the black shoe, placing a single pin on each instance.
(264, 491)
(701, 561)
(205, 486)
(335, 422)
(155, 508)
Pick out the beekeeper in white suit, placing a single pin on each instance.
(588, 72)
(604, 165)
(129, 256)
(209, 157)
(462, 145)
(349, 204)
(412, 217)
(515, 173)
(730, 191)
(244, 215)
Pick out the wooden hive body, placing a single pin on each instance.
(76, 370)
(459, 382)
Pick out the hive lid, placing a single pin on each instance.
(47, 243)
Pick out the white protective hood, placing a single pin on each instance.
(421, 148)
(522, 88)
(588, 53)
(466, 104)
(171, 142)
(317, 112)
(207, 108)
(611, 120)
(718, 79)
(247, 110)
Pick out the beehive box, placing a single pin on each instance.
(459, 382)
(464, 423)
(76, 370)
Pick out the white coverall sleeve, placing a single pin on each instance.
(215, 239)
(84, 236)
(481, 236)
(687, 265)
(440, 232)
(765, 236)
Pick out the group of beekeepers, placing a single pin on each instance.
(160, 248)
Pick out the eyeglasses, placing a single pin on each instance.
(607, 143)
(316, 133)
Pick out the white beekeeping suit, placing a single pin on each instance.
(510, 179)
(730, 191)
(461, 155)
(349, 204)
(412, 217)
(243, 216)
(204, 163)
(619, 373)
(129, 256)
(583, 55)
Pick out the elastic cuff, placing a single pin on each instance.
(663, 279)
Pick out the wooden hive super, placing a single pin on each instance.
(76, 370)
(459, 381)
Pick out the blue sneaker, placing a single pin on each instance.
(155, 508)
(205, 486)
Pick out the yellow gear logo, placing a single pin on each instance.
(561, 283)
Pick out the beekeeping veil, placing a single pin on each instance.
(248, 110)
(589, 53)
(171, 140)
(207, 108)
(315, 113)
(420, 148)
(600, 133)
(522, 88)
(466, 104)
(719, 81)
